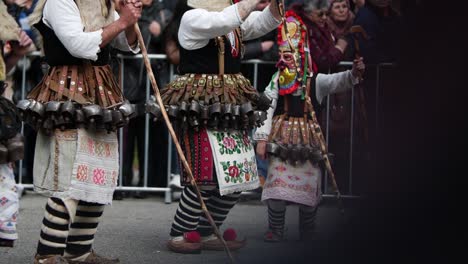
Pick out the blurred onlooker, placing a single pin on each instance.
(20, 10)
(170, 39)
(18, 44)
(382, 24)
(340, 18)
(358, 4)
(326, 51)
(154, 19)
(287, 3)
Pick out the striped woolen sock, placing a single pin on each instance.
(307, 215)
(82, 230)
(276, 215)
(54, 229)
(219, 207)
(188, 213)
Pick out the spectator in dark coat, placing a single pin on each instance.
(382, 24)
(326, 51)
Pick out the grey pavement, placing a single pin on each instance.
(136, 231)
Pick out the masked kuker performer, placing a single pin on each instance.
(213, 108)
(76, 109)
(294, 154)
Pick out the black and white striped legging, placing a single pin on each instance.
(59, 237)
(189, 215)
(277, 213)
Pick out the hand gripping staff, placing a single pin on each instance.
(176, 141)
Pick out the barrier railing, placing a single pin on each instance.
(256, 63)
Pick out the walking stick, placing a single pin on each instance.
(317, 133)
(355, 30)
(176, 141)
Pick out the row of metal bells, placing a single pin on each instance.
(295, 153)
(12, 149)
(215, 116)
(66, 115)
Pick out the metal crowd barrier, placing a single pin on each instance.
(255, 62)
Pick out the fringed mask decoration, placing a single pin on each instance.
(292, 63)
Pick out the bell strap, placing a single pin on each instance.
(100, 87)
(295, 131)
(45, 93)
(62, 81)
(221, 52)
(304, 130)
(73, 82)
(277, 126)
(286, 132)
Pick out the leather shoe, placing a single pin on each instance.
(217, 244)
(184, 247)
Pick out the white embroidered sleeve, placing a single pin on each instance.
(63, 17)
(258, 24)
(198, 26)
(271, 90)
(327, 84)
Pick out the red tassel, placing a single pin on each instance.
(192, 237)
(230, 234)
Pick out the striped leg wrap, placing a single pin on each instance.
(276, 215)
(307, 215)
(219, 207)
(54, 229)
(82, 230)
(188, 213)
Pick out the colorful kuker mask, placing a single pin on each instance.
(292, 63)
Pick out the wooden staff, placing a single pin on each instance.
(356, 30)
(176, 141)
(317, 133)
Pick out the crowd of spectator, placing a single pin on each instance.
(328, 21)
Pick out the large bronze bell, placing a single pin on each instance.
(154, 109)
(80, 118)
(52, 113)
(118, 119)
(183, 112)
(37, 112)
(107, 120)
(227, 115)
(48, 126)
(264, 102)
(215, 112)
(23, 106)
(93, 113)
(315, 154)
(205, 114)
(128, 110)
(194, 113)
(272, 148)
(236, 117)
(294, 154)
(61, 123)
(173, 112)
(68, 111)
(283, 152)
